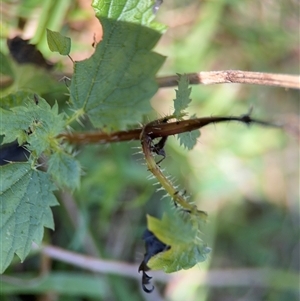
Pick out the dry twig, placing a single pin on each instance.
(260, 277)
(236, 77)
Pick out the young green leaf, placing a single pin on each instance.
(58, 42)
(181, 102)
(182, 236)
(119, 78)
(26, 195)
(38, 124)
(182, 99)
(188, 139)
(64, 169)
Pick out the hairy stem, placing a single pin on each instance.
(162, 179)
(163, 128)
(155, 130)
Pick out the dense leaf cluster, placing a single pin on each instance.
(110, 87)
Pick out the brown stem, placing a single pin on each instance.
(101, 137)
(234, 76)
(154, 130)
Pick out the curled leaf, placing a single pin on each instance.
(153, 246)
(182, 236)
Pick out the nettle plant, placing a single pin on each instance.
(112, 88)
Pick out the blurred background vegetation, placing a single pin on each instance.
(247, 179)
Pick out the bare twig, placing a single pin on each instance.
(94, 264)
(215, 278)
(156, 131)
(235, 76)
(287, 81)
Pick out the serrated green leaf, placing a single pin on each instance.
(133, 11)
(65, 169)
(26, 195)
(186, 248)
(115, 84)
(58, 42)
(183, 93)
(188, 139)
(37, 124)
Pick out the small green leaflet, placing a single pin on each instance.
(189, 139)
(187, 249)
(26, 195)
(64, 169)
(119, 78)
(183, 93)
(38, 124)
(58, 42)
(181, 102)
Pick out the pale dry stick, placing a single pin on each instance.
(234, 77)
(260, 277)
(94, 264)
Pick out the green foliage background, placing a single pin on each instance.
(246, 179)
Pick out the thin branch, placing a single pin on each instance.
(94, 264)
(234, 76)
(100, 137)
(155, 130)
(215, 278)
